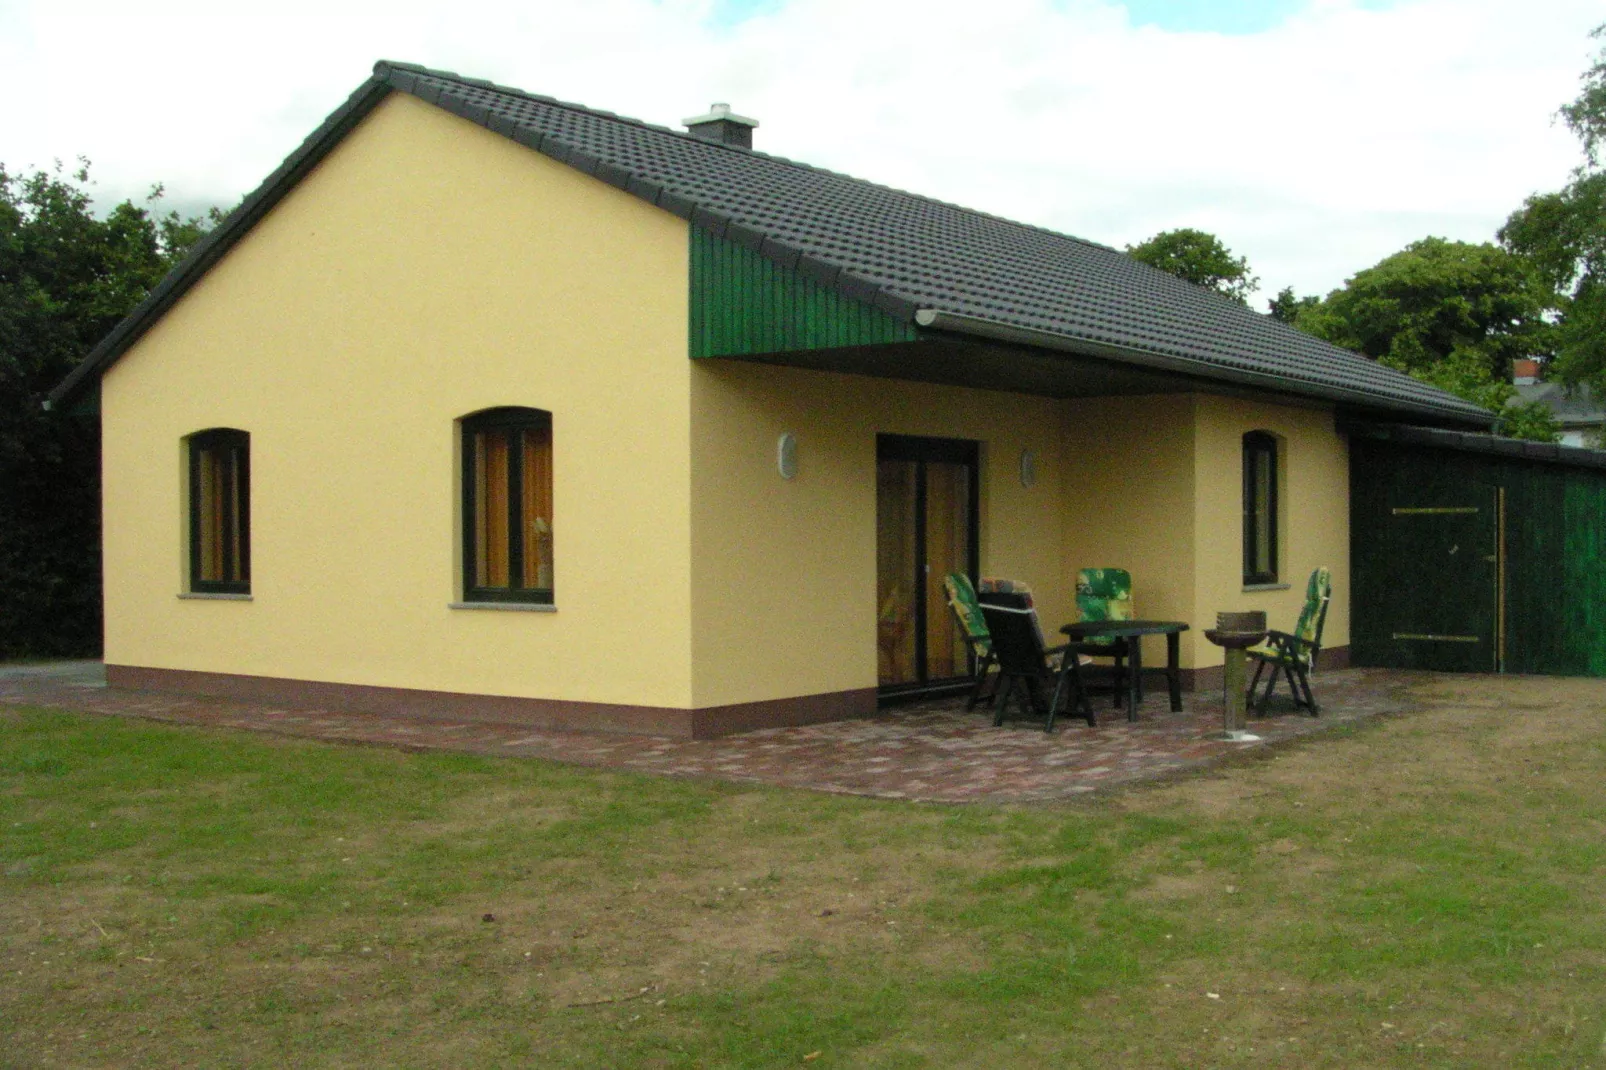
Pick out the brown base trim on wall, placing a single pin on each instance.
(502, 709)
(1213, 678)
(718, 721)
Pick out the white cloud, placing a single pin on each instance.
(1314, 148)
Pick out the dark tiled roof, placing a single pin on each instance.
(1465, 442)
(906, 253)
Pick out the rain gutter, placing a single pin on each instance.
(994, 330)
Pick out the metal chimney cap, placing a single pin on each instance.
(719, 113)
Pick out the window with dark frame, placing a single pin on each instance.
(1260, 508)
(220, 512)
(507, 506)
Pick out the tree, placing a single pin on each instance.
(1287, 306)
(1531, 420)
(1200, 258)
(1586, 116)
(1451, 314)
(66, 278)
(1563, 234)
(1435, 298)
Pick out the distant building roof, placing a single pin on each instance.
(925, 261)
(1573, 408)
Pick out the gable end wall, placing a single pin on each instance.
(426, 269)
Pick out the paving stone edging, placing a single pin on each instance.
(929, 752)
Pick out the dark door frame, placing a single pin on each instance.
(920, 450)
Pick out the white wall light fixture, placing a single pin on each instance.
(1028, 467)
(786, 455)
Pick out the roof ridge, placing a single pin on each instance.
(385, 65)
(481, 83)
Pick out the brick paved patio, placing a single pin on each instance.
(932, 751)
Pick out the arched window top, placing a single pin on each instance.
(218, 434)
(508, 416)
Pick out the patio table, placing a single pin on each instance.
(1134, 630)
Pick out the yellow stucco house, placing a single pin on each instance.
(490, 406)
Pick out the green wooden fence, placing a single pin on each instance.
(1548, 593)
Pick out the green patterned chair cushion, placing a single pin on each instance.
(962, 599)
(1318, 592)
(1266, 652)
(1104, 594)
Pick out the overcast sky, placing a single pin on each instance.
(1314, 136)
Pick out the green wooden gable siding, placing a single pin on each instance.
(1554, 549)
(743, 304)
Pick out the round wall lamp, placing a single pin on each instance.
(786, 455)
(1028, 468)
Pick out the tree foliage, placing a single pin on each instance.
(1451, 314)
(1532, 420)
(1434, 299)
(1586, 116)
(1200, 258)
(1564, 235)
(66, 277)
(1287, 306)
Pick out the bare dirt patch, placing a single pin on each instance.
(1166, 887)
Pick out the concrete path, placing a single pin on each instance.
(80, 673)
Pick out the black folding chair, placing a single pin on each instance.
(1025, 664)
(1295, 653)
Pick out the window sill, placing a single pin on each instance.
(516, 607)
(214, 596)
(1250, 588)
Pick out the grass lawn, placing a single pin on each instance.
(1428, 890)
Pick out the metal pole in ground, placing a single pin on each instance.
(1233, 632)
(1236, 700)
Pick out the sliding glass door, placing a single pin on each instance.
(926, 504)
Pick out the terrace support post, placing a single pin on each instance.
(1236, 700)
(1235, 706)
(1233, 633)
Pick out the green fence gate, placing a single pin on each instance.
(1476, 554)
